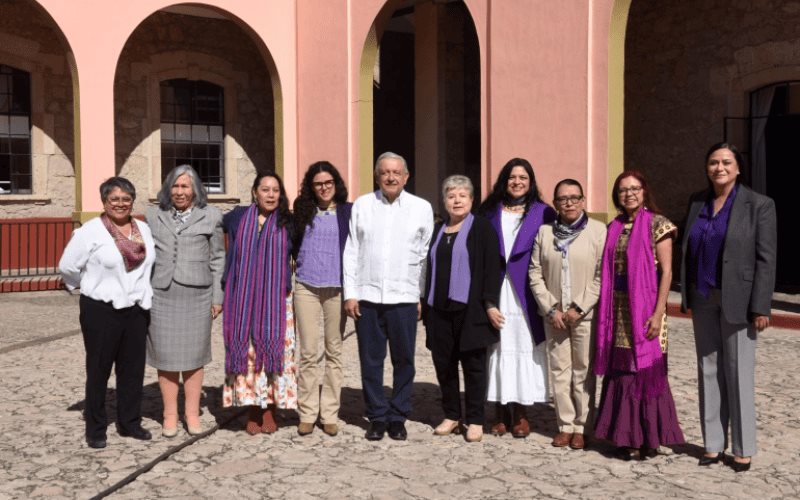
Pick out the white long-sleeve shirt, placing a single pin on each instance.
(384, 258)
(92, 262)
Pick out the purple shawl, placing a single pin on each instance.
(642, 282)
(255, 295)
(460, 276)
(516, 266)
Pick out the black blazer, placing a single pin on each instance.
(484, 263)
(748, 255)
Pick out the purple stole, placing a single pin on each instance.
(520, 257)
(642, 281)
(460, 274)
(255, 295)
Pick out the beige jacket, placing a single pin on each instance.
(585, 256)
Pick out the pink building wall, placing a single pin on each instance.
(544, 83)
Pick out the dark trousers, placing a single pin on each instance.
(444, 331)
(113, 337)
(397, 324)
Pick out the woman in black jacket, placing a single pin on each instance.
(461, 316)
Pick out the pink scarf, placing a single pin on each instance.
(642, 295)
(132, 249)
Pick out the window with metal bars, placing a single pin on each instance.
(192, 130)
(16, 176)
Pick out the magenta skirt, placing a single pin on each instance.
(629, 418)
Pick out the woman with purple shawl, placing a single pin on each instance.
(637, 412)
(517, 364)
(258, 327)
(460, 304)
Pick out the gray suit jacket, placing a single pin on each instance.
(193, 255)
(748, 255)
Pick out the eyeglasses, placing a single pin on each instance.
(323, 184)
(568, 200)
(125, 200)
(630, 190)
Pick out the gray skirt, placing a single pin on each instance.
(180, 328)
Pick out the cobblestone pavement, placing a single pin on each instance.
(42, 451)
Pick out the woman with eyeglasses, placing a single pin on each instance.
(111, 259)
(637, 412)
(727, 280)
(565, 279)
(322, 219)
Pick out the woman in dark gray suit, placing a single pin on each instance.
(727, 279)
(187, 293)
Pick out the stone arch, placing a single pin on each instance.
(430, 143)
(189, 41)
(31, 41)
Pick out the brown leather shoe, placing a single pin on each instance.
(254, 418)
(330, 429)
(305, 428)
(520, 427)
(499, 427)
(562, 439)
(577, 442)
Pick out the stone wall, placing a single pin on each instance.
(30, 41)
(688, 65)
(167, 46)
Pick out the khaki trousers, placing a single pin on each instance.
(569, 354)
(311, 303)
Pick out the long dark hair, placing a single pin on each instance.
(305, 205)
(499, 192)
(649, 201)
(284, 216)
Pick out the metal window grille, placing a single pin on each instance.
(15, 131)
(192, 130)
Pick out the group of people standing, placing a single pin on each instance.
(527, 299)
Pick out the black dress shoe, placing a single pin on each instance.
(96, 443)
(136, 433)
(397, 431)
(376, 431)
(740, 466)
(706, 460)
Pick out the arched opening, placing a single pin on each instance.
(688, 85)
(424, 80)
(774, 128)
(194, 84)
(37, 114)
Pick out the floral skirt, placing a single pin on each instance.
(262, 388)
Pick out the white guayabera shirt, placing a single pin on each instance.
(384, 258)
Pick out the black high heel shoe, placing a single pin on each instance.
(740, 466)
(705, 461)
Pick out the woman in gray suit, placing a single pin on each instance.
(187, 293)
(727, 279)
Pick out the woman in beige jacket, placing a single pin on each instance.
(565, 280)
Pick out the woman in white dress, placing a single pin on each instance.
(517, 364)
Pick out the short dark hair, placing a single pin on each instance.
(567, 182)
(116, 182)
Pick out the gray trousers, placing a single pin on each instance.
(726, 355)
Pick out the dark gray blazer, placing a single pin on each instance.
(748, 255)
(193, 255)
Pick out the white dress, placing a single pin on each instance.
(517, 367)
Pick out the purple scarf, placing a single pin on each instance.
(255, 295)
(132, 249)
(642, 295)
(460, 276)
